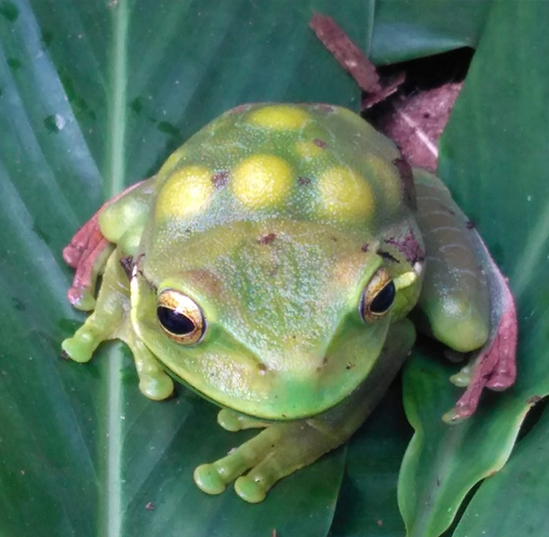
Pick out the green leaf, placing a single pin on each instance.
(521, 485)
(408, 29)
(94, 95)
(493, 156)
(368, 499)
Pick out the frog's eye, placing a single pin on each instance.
(378, 296)
(180, 317)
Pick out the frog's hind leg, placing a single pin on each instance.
(89, 267)
(465, 301)
(88, 252)
(111, 320)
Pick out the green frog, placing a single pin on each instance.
(279, 264)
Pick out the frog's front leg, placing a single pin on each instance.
(111, 320)
(283, 448)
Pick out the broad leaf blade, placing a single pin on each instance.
(522, 485)
(405, 30)
(493, 155)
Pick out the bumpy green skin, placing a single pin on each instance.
(274, 219)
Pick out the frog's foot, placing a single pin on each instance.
(234, 421)
(154, 383)
(493, 368)
(273, 454)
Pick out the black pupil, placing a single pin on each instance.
(174, 322)
(383, 300)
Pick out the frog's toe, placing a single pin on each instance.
(208, 479)
(233, 421)
(82, 299)
(78, 348)
(156, 387)
(250, 490)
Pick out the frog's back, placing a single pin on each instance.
(309, 162)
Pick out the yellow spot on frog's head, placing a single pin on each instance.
(186, 192)
(387, 177)
(278, 117)
(262, 181)
(345, 194)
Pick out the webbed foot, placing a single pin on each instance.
(273, 454)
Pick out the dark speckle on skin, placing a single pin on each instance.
(303, 181)
(268, 238)
(334, 239)
(470, 225)
(365, 247)
(408, 246)
(349, 365)
(320, 143)
(127, 265)
(388, 256)
(534, 400)
(220, 179)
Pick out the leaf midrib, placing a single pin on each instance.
(113, 182)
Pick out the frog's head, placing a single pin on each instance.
(278, 320)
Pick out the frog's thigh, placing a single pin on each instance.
(285, 447)
(108, 316)
(454, 305)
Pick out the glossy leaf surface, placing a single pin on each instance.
(493, 156)
(94, 95)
